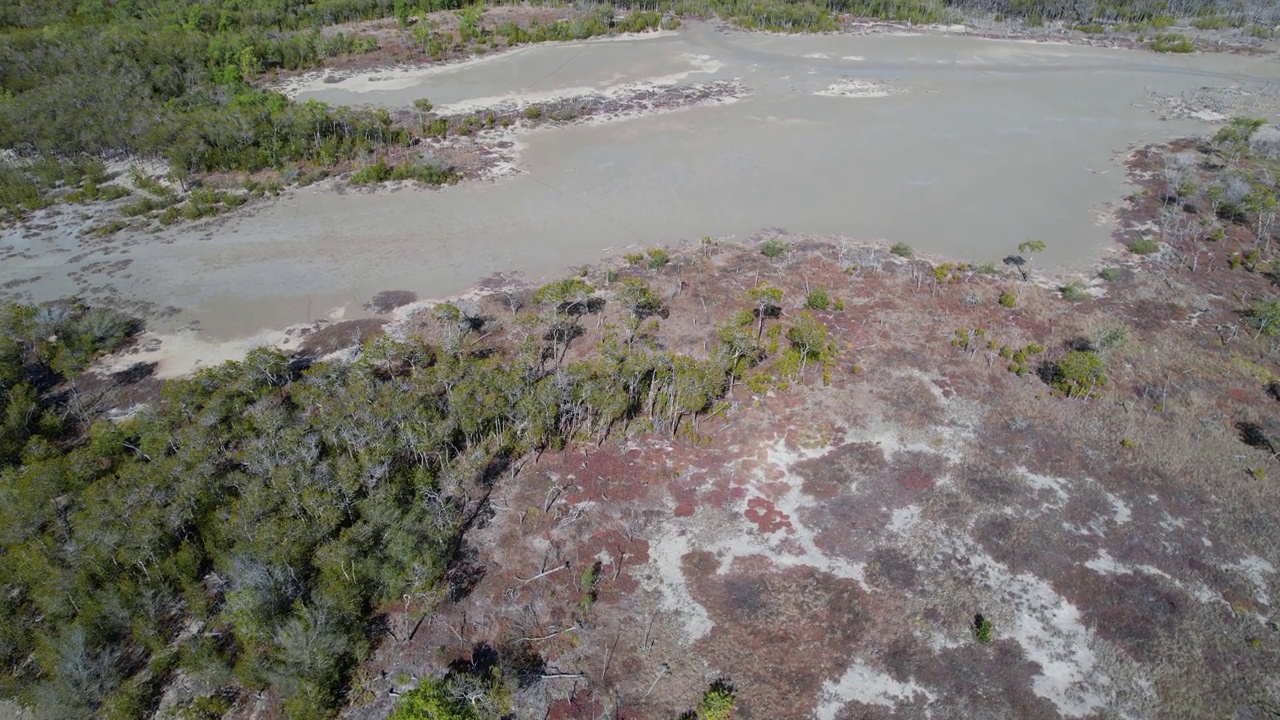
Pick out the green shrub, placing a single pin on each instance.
(809, 343)
(110, 228)
(205, 707)
(141, 206)
(533, 112)
(1172, 43)
(375, 173)
(436, 127)
(639, 299)
(1144, 246)
(432, 701)
(902, 250)
(1237, 131)
(427, 172)
(1264, 317)
(1074, 292)
(1113, 338)
(1214, 22)
(1008, 299)
(1110, 274)
(818, 299)
(658, 258)
(717, 702)
(773, 248)
(634, 258)
(1077, 374)
(982, 628)
(310, 178)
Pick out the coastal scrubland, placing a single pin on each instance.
(779, 478)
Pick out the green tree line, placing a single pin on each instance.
(244, 528)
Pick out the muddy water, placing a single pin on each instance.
(953, 145)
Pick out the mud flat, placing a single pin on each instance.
(954, 145)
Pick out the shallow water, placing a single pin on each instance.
(973, 147)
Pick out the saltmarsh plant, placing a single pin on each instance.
(1144, 246)
(902, 250)
(773, 248)
(1172, 43)
(1074, 292)
(427, 172)
(658, 258)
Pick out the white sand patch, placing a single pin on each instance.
(855, 87)
(903, 519)
(1208, 116)
(1122, 512)
(1079, 673)
(381, 79)
(158, 169)
(186, 351)
(665, 553)
(516, 100)
(818, 56)
(1057, 486)
(1104, 564)
(1051, 633)
(796, 547)
(863, 684)
(699, 65)
(737, 92)
(853, 58)
(507, 150)
(401, 78)
(1256, 569)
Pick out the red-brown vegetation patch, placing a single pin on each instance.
(893, 569)
(997, 677)
(620, 553)
(1129, 609)
(340, 336)
(779, 633)
(611, 474)
(766, 516)
(1038, 545)
(581, 706)
(835, 472)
